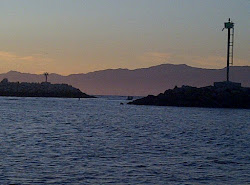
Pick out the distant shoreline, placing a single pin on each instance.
(138, 82)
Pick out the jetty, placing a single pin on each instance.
(222, 95)
(44, 89)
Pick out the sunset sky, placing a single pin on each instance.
(79, 36)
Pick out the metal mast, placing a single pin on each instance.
(46, 76)
(230, 44)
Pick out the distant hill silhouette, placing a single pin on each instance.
(144, 81)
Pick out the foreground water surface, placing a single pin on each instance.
(99, 141)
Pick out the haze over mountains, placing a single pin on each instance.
(144, 81)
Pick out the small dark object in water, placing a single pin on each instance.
(130, 98)
(121, 104)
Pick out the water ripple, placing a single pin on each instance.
(66, 141)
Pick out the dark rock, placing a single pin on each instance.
(43, 89)
(215, 97)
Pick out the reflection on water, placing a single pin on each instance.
(99, 141)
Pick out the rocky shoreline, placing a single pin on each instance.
(221, 95)
(44, 89)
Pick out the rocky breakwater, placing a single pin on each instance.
(44, 89)
(221, 95)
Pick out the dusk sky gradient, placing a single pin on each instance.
(79, 36)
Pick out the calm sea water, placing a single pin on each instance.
(99, 141)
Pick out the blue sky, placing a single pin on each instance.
(77, 36)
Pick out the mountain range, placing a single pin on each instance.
(143, 81)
